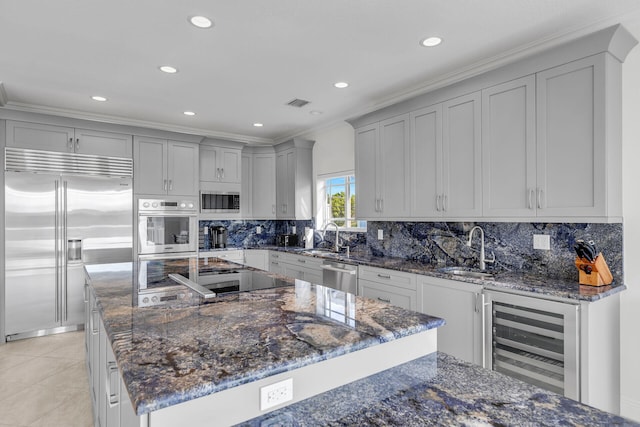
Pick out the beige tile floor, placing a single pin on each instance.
(43, 382)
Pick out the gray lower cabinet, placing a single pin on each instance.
(390, 286)
(461, 305)
(297, 266)
(257, 258)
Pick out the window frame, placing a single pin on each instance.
(321, 186)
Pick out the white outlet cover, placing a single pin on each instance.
(380, 234)
(542, 241)
(275, 394)
(258, 230)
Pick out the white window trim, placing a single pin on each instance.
(321, 192)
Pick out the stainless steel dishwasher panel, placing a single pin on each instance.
(340, 276)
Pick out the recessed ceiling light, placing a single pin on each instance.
(168, 69)
(430, 41)
(258, 125)
(201, 21)
(315, 112)
(189, 113)
(98, 98)
(341, 85)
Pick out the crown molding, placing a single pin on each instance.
(115, 120)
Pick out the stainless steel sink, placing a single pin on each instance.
(319, 252)
(457, 271)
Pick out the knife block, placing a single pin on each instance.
(600, 274)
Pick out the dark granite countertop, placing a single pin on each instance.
(505, 281)
(190, 348)
(438, 390)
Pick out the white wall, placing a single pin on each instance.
(334, 151)
(630, 299)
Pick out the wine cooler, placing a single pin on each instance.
(534, 340)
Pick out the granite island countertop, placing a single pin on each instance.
(551, 288)
(438, 390)
(192, 348)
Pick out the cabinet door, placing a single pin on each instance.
(150, 166)
(285, 184)
(462, 160)
(395, 167)
(39, 137)
(508, 149)
(209, 169)
(426, 146)
(263, 191)
(460, 305)
(571, 139)
(182, 168)
(246, 188)
(230, 165)
(103, 143)
(366, 146)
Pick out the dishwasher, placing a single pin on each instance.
(340, 276)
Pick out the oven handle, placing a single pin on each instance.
(152, 257)
(204, 292)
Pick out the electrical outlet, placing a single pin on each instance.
(380, 234)
(276, 393)
(542, 241)
(294, 230)
(258, 230)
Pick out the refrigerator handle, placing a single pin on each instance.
(56, 247)
(64, 310)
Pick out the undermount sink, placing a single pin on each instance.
(456, 271)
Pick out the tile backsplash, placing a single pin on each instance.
(445, 243)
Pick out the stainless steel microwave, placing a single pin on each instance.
(219, 202)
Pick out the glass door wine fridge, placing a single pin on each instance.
(534, 340)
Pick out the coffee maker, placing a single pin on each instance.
(218, 237)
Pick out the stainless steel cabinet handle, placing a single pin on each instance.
(273, 209)
(540, 198)
(530, 198)
(302, 261)
(170, 185)
(438, 203)
(70, 144)
(218, 173)
(63, 295)
(275, 256)
(275, 263)
(384, 300)
(384, 276)
(444, 202)
(113, 396)
(222, 169)
(381, 205)
(165, 185)
(77, 144)
(94, 323)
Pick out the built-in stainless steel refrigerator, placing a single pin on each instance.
(61, 211)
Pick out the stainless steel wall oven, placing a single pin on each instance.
(167, 226)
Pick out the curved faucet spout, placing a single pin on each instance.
(483, 259)
(324, 232)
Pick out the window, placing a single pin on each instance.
(338, 197)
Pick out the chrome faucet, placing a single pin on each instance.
(324, 232)
(483, 260)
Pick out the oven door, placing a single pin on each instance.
(154, 270)
(162, 233)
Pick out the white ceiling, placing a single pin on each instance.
(261, 54)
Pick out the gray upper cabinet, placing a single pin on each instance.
(383, 169)
(538, 139)
(220, 164)
(461, 154)
(445, 147)
(163, 167)
(66, 139)
(509, 149)
(576, 107)
(258, 194)
(294, 179)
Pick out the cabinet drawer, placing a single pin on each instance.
(388, 277)
(397, 296)
(307, 261)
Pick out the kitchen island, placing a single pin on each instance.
(194, 360)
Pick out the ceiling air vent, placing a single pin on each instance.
(299, 103)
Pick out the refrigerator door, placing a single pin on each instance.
(98, 224)
(32, 288)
